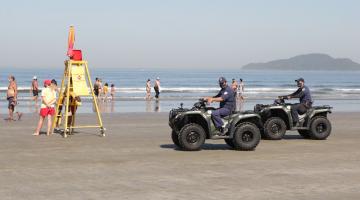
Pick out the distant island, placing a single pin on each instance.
(313, 62)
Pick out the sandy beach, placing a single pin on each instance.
(137, 160)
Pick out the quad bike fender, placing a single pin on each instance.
(253, 118)
(317, 112)
(197, 117)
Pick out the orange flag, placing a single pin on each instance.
(71, 41)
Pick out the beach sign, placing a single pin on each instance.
(80, 86)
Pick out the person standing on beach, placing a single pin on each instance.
(11, 96)
(157, 88)
(112, 92)
(35, 89)
(100, 88)
(54, 84)
(240, 96)
(48, 99)
(148, 90)
(96, 87)
(105, 92)
(234, 84)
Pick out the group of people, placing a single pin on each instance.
(156, 89)
(48, 100)
(228, 96)
(102, 91)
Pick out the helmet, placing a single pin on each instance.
(222, 82)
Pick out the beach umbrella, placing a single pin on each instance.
(71, 41)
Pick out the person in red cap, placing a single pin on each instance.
(48, 99)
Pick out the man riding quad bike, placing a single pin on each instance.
(310, 121)
(190, 127)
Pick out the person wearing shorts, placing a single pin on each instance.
(11, 96)
(48, 99)
(35, 89)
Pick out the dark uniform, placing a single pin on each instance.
(226, 106)
(305, 102)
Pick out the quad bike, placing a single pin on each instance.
(191, 126)
(277, 119)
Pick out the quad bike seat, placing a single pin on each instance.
(226, 117)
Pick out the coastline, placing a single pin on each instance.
(165, 105)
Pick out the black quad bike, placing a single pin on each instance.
(191, 126)
(277, 119)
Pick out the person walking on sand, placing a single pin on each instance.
(35, 89)
(11, 96)
(112, 92)
(48, 99)
(157, 88)
(148, 90)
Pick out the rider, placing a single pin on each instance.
(226, 99)
(303, 93)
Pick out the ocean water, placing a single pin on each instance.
(339, 89)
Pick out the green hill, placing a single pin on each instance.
(306, 62)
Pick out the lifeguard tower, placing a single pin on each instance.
(76, 84)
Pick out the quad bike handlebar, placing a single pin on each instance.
(280, 100)
(201, 103)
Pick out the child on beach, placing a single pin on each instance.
(105, 92)
(48, 99)
(112, 92)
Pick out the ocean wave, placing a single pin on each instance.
(248, 90)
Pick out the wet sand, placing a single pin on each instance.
(137, 160)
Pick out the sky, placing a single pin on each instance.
(176, 34)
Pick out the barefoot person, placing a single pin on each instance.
(11, 96)
(35, 89)
(105, 92)
(148, 90)
(112, 92)
(48, 99)
(157, 88)
(240, 96)
(96, 87)
(234, 85)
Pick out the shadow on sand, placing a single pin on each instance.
(203, 147)
(293, 137)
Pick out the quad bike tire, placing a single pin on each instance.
(175, 138)
(229, 142)
(274, 128)
(246, 137)
(320, 128)
(191, 137)
(304, 133)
